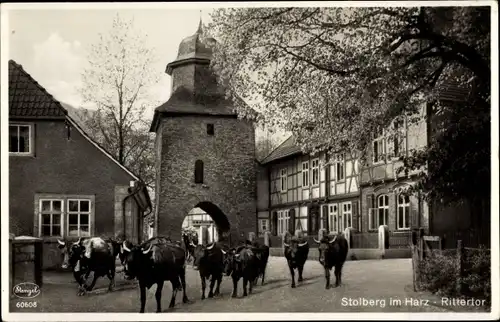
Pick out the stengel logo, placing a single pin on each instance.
(26, 290)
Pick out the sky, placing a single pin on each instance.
(52, 44)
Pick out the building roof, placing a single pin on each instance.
(28, 99)
(285, 149)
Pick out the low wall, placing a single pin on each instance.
(355, 253)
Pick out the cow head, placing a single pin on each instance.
(71, 252)
(132, 258)
(324, 245)
(293, 247)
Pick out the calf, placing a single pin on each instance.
(333, 253)
(154, 262)
(89, 255)
(241, 263)
(209, 261)
(296, 255)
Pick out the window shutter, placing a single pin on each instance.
(274, 223)
(310, 220)
(414, 212)
(325, 218)
(396, 212)
(291, 225)
(355, 214)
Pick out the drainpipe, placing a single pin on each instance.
(131, 192)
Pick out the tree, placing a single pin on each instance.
(119, 74)
(333, 76)
(265, 143)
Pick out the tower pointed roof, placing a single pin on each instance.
(195, 48)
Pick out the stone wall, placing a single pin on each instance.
(25, 259)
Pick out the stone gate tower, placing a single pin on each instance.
(205, 155)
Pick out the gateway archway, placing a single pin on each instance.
(206, 223)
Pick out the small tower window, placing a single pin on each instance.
(198, 171)
(210, 129)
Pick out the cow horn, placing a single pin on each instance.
(61, 242)
(317, 241)
(125, 247)
(223, 252)
(334, 239)
(191, 244)
(286, 245)
(210, 247)
(79, 239)
(149, 249)
(303, 244)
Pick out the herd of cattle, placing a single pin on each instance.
(159, 259)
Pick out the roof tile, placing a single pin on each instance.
(27, 98)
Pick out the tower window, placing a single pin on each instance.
(198, 171)
(210, 129)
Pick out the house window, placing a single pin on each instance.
(283, 179)
(315, 172)
(78, 217)
(333, 217)
(383, 210)
(305, 174)
(50, 217)
(339, 167)
(403, 221)
(210, 129)
(198, 171)
(283, 221)
(379, 147)
(399, 139)
(20, 139)
(263, 226)
(346, 215)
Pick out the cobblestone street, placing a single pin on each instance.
(368, 286)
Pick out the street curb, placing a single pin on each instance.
(435, 300)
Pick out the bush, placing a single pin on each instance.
(477, 273)
(438, 274)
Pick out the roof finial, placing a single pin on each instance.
(200, 26)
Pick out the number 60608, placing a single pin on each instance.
(26, 304)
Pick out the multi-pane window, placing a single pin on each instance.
(403, 221)
(378, 148)
(399, 138)
(315, 171)
(383, 210)
(78, 217)
(305, 174)
(283, 178)
(346, 215)
(50, 217)
(263, 226)
(339, 167)
(283, 221)
(20, 138)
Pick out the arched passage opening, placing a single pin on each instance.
(206, 223)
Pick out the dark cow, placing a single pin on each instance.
(90, 255)
(333, 253)
(262, 254)
(209, 261)
(241, 263)
(153, 262)
(296, 253)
